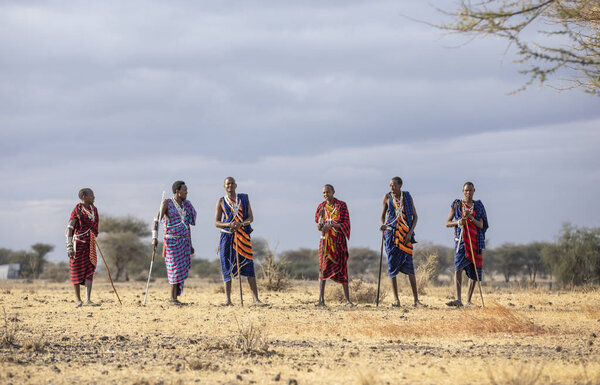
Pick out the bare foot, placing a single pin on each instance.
(321, 304)
(90, 303)
(79, 304)
(228, 303)
(175, 302)
(349, 304)
(396, 304)
(258, 303)
(419, 304)
(469, 304)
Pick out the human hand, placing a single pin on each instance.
(154, 243)
(71, 254)
(383, 227)
(192, 250)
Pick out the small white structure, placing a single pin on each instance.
(10, 271)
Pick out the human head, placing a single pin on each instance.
(328, 192)
(229, 184)
(468, 190)
(180, 189)
(396, 185)
(86, 195)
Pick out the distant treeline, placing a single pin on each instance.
(572, 260)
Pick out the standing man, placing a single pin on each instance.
(81, 233)
(469, 219)
(399, 237)
(333, 221)
(233, 215)
(179, 215)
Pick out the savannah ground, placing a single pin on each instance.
(522, 336)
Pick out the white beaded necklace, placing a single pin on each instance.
(90, 212)
(180, 209)
(235, 207)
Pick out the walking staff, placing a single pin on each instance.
(154, 244)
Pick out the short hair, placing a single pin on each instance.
(229, 177)
(397, 179)
(177, 185)
(468, 184)
(84, 192)
(329, 186)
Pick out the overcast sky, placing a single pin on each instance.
(127, 97)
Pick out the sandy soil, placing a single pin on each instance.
(520, 337)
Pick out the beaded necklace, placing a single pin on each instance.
(399, 206)
(235, 207)
(89, 213)
(180, 209)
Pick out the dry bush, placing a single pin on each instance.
(250, 339)
(524, 375)
(425, 272)
(56, 272)
(198, 364)
(275, 276)
(360, 292)
(10, 329)
(35, 344)
(219, 289)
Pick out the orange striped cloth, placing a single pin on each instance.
(93, 256)
(401, 229)
(241, 241)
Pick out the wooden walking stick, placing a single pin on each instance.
(322, 246)
(380, 263)
(237, 258)
(153, 248)
(107, 269)
(473, 257)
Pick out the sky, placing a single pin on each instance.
(127, 97)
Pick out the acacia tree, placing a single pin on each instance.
(550, 35)
(575, 257)
(122, 245)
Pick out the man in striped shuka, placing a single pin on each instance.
(469, 219)
(333, 222)
(81, 235)
(401, 214)
(233, 215)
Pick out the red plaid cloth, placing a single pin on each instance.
(333, 250)
(83, 266)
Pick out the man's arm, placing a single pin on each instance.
(383, 212)
(414, 223)
(450, 222)
(69, 235)
(161, 213)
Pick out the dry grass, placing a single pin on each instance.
(524, 375)
(274, 275)
(593, 311)
(10, 329)
(425, 271)
(360, 292)
(250, 340)
(496, 318)
(292, 341)
(35, 343)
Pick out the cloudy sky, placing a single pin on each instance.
(126, 97)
